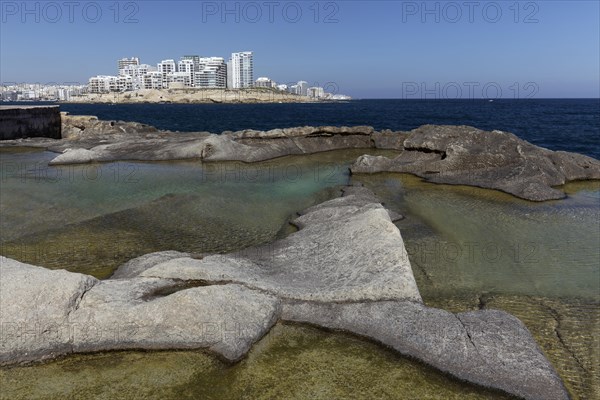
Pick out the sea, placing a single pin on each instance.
(557, 124)
(469, 248)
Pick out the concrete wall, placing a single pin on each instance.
(29, 121)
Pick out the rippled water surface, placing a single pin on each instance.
(470, 248)
(558, 124)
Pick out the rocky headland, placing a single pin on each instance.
(346, 268)
(457, 155)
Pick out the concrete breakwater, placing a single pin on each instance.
(18, 122)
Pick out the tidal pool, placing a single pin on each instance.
(470, 248)
(92, 218)
(473, 248)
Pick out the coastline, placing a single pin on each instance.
(445, 154)
(192, 96)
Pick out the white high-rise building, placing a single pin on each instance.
(302, 88)
(125, 62)
(178, 80)
(241, 70)
(264, 82)
(137, 73)
(102, 84)
(187, 67)
(212, 73)
(166, 67)
(316, 92)
(152, 80)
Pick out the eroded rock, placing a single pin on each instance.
(46, 313)
(463, 155)
(348, 249)
(488, 347)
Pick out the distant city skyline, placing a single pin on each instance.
(377, 49)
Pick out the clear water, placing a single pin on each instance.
(538, 261)
(92, 218)
(465, 239)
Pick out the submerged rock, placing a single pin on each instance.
(463, 155)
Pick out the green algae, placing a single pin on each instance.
(469, 239)
(291, 362)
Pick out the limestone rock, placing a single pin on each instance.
(35, 305)
(123, 314)
(47, 313)
(346, 268)
(489, 347)
(74, 156)
(137, 265)
(463, 155)
(347, 250)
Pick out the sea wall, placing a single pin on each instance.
(29, 121)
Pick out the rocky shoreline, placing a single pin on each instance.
(456, 155)
(345, 269)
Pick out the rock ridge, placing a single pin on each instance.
(456, 155)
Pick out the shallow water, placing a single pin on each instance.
(465, 239)
(470, 248)
(291, 362)
(92, 218)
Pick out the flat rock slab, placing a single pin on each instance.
(45, 314)
(347, 249)
(489, 347)
(463, 155)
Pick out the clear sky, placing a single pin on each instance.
(368, 49)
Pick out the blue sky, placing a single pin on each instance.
(374, 49)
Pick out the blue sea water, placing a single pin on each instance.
(557, 124)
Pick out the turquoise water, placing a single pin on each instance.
(91, 218)
(470, 248)
(464, 239)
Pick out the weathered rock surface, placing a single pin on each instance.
(134, 267)
(463, 155)
(79, 126)
(34, 303)
(113, 141)
(487, 347)
(348, 249)
(47, 313)
(346, 268)
(457, 155)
